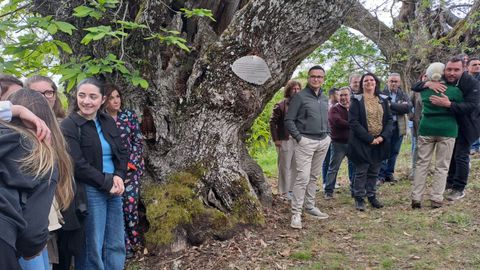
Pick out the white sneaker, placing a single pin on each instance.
(296, 221)
(316, 213)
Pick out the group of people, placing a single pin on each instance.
(70, 184)
(367, 125)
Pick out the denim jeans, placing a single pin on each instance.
(365, 181)
(388, 165)
(476, 145)
(338, 151)
(38, 263)
(104, 233)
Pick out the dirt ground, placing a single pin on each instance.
(395, 237)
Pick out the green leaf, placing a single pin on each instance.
(64, 46)
(65, 27)
(183, 46)
(123, 69)
(93, 70)
(111, 57)
(82, 11)
(107, 69)
(199, 12)
(86, 39)
(98, 29)
(98, 36)
(70, 85)
(143, 84)
(68, 74)
(131, 25)
(52, 29)
(81, 76)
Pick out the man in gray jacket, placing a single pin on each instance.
(307, 123)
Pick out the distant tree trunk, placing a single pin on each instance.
(200, 109)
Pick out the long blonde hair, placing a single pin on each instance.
(44, 156)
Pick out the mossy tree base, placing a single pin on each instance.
(177, 214)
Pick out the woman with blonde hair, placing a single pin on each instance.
(32, 172)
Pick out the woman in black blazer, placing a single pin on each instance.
(100, 161)
(370, 123)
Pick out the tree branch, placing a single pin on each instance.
(450, 18)
(358, 64)
(16, 10)
(361, 19)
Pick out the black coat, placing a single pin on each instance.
(86, 150)
(24, 201)
(468, 111)
(359, 148)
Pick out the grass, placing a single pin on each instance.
(303, 255)
(395, 237)
(267, 159)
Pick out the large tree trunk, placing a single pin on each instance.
(201, 110)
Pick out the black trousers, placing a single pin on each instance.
(459, 165)
(8, 258)
(365, 180)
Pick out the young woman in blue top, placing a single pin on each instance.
(100, 162)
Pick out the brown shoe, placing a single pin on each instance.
(435, 204)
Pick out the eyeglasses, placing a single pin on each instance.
(316, 77)
(48, 93)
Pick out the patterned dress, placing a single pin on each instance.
(127, 122)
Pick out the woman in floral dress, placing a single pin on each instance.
(127, 122)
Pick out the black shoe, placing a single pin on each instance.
(374, 202)
(359, 204)
(390, 179)
(416, 204)
(328, 196)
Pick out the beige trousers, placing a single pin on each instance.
(287, 169)
(309, 156)
(443, 147)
